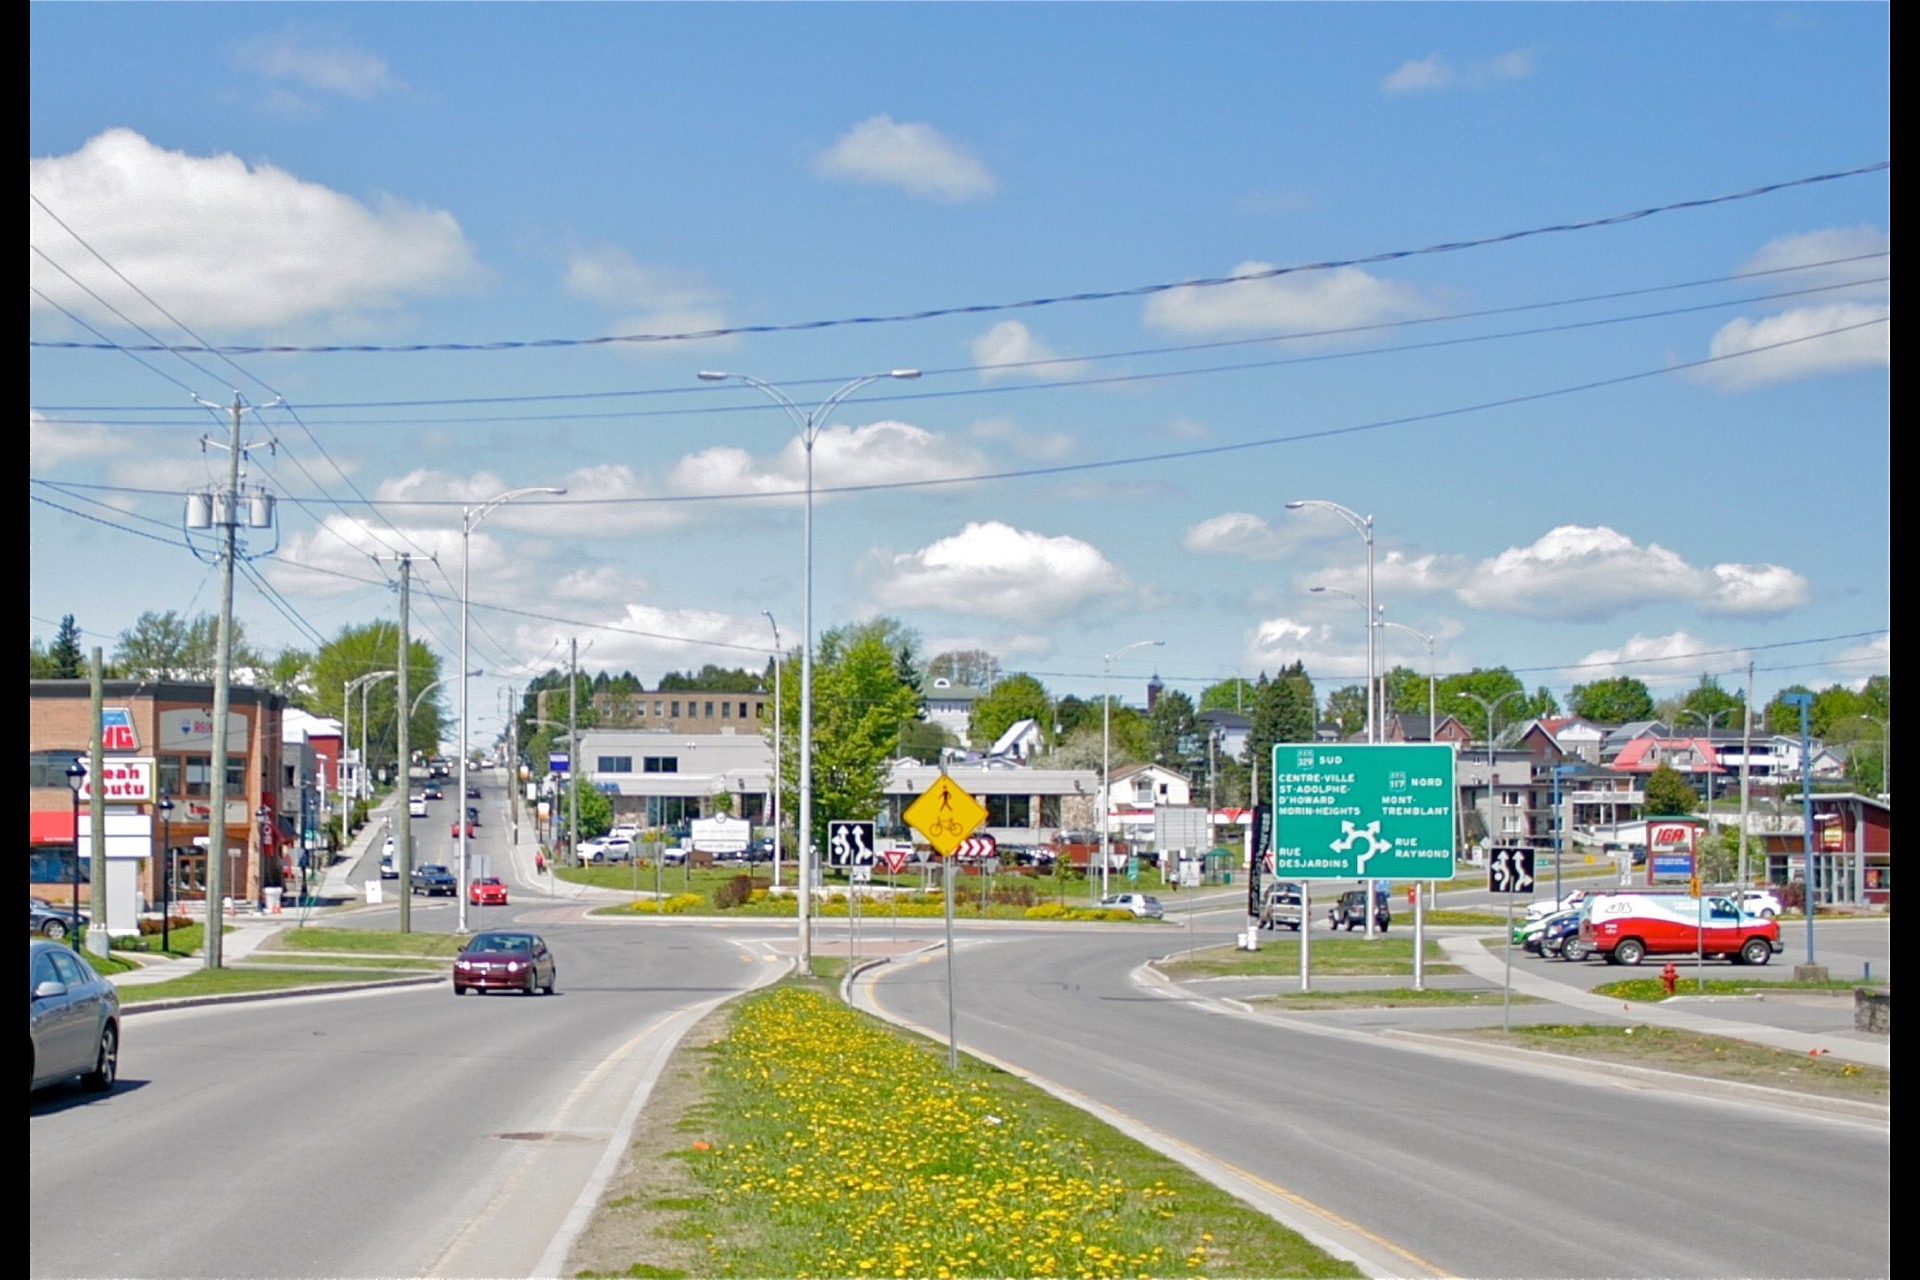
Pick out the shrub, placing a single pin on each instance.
(678, 904)
(733, 893)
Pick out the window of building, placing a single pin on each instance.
(660, 764)
(726, 711)
(1512, 799)
(1008, 811)
(199, 775)
(759, 710)
(615, 764)
(676, 708)
(743, 711)
(657, 707)
(49, 768)
(709, 711)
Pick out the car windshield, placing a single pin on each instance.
(508, 943)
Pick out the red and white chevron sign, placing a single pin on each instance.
(975, 847)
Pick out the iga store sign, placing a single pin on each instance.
(1670, 851)
(123, 781)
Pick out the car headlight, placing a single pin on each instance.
(513, 966)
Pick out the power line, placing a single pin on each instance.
(1136, 291)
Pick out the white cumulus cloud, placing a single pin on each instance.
(1306, 302)
(1237, 533)
(227, 245)
(915, 157)
(318, 62)
(1435, 72)
(654, 300)
(1801, 341)
(1009, 350)
(1672, 659)
(1580, 572)
(995, 569)
(1327, 652)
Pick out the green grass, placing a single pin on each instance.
(829, 1144)
(1391, 954)
(1488, 918)
(1388, 998)
(210, 982)
(326, 960)
(367, 941)
(182, 940)
(1715, 1057)
(1654, 989)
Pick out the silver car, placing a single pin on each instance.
(74, 1016)
(1144, 905)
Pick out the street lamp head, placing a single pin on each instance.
(76, 775)
(166, 803)
(1295, 506)
(713, 375)
(905, 375)
(1310, 588)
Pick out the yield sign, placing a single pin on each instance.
(894, 858)
(945, 815)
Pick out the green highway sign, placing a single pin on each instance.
(1346, 811)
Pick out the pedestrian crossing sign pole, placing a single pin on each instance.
(946, 814)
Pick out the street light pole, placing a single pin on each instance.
(469, 517)
(809, 423)
(1707, 718)
(1490, 708)
(1373, 620)
(778, 742)
(1106, 755)
(1363, 525)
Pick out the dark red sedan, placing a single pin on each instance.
(454, 830)
(488, 891)
(502, 960)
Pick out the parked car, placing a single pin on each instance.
(1629, 926)
(1554, 933)
(1761, 902)
(1280, 907)
(48, 920)
(1143, 905)
(504, 960)
(73, 1018)
(1351, 911)
(488, 891)
(432, 879)
(625, 831)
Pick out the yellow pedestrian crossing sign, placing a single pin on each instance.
(945, 815)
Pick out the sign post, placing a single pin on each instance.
(945, 814)
(1509, 872)
(1361, 811)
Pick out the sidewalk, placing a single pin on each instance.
(1852, 1046)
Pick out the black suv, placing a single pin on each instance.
(434, 879)
(1351, 911)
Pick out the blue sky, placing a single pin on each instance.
(1557, 487)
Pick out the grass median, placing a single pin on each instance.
(1691, 1053)
(813, 1140)
(1386, 955)
(224, 982)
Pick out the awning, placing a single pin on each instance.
(50, 826)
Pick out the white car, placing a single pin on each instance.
(591, 850)
(625, 831)
(417, 807)
(1762, 903)
(1144, 905)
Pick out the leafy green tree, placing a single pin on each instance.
(596, 808)
(1406, 691)
(709, 677)
(1235, 695)
(1619, 700)
(1347, 709)
(923, 740)
(1072, 714)
(1783, 718)
(1016, 698)
(290, 674)
(861, 706)
(360, 650)
(1284, 710)
(1492, 685)
(65, 655)
(1668, 793)
(166, 646)
(1175, 736)
(1708, 702)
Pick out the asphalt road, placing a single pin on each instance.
(1423, 1162)
(401, 1132)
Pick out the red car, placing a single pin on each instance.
(454, 830)
(488, 891)
(504, 960)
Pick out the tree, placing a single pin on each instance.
(1406, 691)
(1780, 717)
(1283, 711)
(290, 674)
(1016, 698)
(861, 706)
(972, 668)
(923, 740)
(1708, 702)
(1174, 733)
(709, 677)
(1347, 709)
(166, 646)
(1491, 685)
(1620, 700)
(1668, 793)
(375, 646)
(1235, 695)
(596, 810)
(65, 653)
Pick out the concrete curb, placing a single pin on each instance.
(279, 993)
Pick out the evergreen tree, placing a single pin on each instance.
(65, 653)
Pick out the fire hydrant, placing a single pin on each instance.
(1670, 978)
